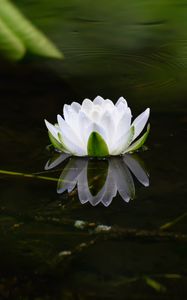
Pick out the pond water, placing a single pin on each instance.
(57, 244)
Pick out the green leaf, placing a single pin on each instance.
(33, 39)
(65, 149)
(155, 284)
(173, 222)
(10, 45)
(56, 144)
(96, 145)
(139, 143)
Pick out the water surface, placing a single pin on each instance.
(128, 250)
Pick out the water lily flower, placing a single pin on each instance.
(99, 181)
(98, 128)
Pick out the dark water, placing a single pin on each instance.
(134, 250)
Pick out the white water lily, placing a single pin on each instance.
(98, 128)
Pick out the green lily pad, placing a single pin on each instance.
(96, 146)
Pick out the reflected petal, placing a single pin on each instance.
(52, 163)
(111, 188)
(100, 180)
(136, 169)
(123, 179)
(84, 191)
(69, 176)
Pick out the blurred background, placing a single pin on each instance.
(137, 49)
(56, 52)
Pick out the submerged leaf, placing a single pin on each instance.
(96, 145)
(155, 284)
(33, 39)
(173, 222)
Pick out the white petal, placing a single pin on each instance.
(95, 116)
(123, 142)
(136, 169)
(68, 131)
(87, 106)
(98, 100)
(109, 105)
(53, 130)
(124, 123)
(140, 121)
(83, 123)
(120, 101)
(71, 118)
(76, 107)
(122, 107)
(67, 114)
(107, 123)
(71, 141)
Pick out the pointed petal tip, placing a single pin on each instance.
(59, 118)
(121, 98)
(48, 124)
(147, 112)
(98, 100)
(98, 96)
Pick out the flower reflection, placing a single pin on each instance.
(100, 180)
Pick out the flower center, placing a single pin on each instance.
(96, 113)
